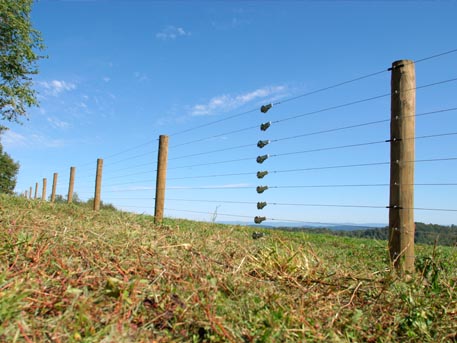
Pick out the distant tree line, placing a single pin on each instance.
(425, 233)
(77, 201)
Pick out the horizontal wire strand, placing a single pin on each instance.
(270, 219)
(211, 152)
(277, 103)
(215, 136)
(212, 163)
(314, 168)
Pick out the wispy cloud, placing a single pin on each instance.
(172, 32)
(55, 87)
(227, 102)
(13, 139)
(57, 123)
(140, 76)
(16, 140)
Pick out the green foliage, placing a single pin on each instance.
(19, 44)
(8, 171)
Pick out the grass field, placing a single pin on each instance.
(68, 274)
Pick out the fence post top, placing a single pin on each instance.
(399, 63)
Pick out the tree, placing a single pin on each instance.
(19, 47)
(8, 171)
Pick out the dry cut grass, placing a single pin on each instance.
(68, 274)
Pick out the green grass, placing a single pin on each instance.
(68, 274)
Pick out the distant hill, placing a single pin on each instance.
(425, 233)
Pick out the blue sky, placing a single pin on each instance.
(121, 73)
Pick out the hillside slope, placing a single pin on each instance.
(69, 274)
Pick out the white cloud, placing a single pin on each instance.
(140, 76)
(172, 32)
(57, 123)
(13, 140)
(107, 79)
(55, 87)
(225, 103)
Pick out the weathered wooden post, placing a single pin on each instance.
(98, 184)
(71, 185)
(36, 190)
(54, 188)
(161, 179)
(30, 193)
(43, 193)
(402, 133)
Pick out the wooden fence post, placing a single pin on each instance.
(71, 185)
(54, 187)
(43, 193)
(36, 190)
(161, 179)
(98, 184)
(402, 133)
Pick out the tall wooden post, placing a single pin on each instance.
(402, 133)
(54, 188)
(43, 193)
(71, 185)
(161, 178)
(98, 184)
(36, 190)
(30, 193)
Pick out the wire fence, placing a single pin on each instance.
(317, 158)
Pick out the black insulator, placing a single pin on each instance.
(261, 159)
(265, 126)
(261, 189)
(261, 144)
(261, 205)
(259, 220)
(261, 174)
(265, 108)
(257, 235)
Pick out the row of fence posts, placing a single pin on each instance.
(401, 203)
(28, 194)
(160, 184)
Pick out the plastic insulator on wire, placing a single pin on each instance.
(265, 108)
(261, 205)
(261, 189)
(262, 158)
(265, 126)
(262, 174)
(259, 220)
(261, 144)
